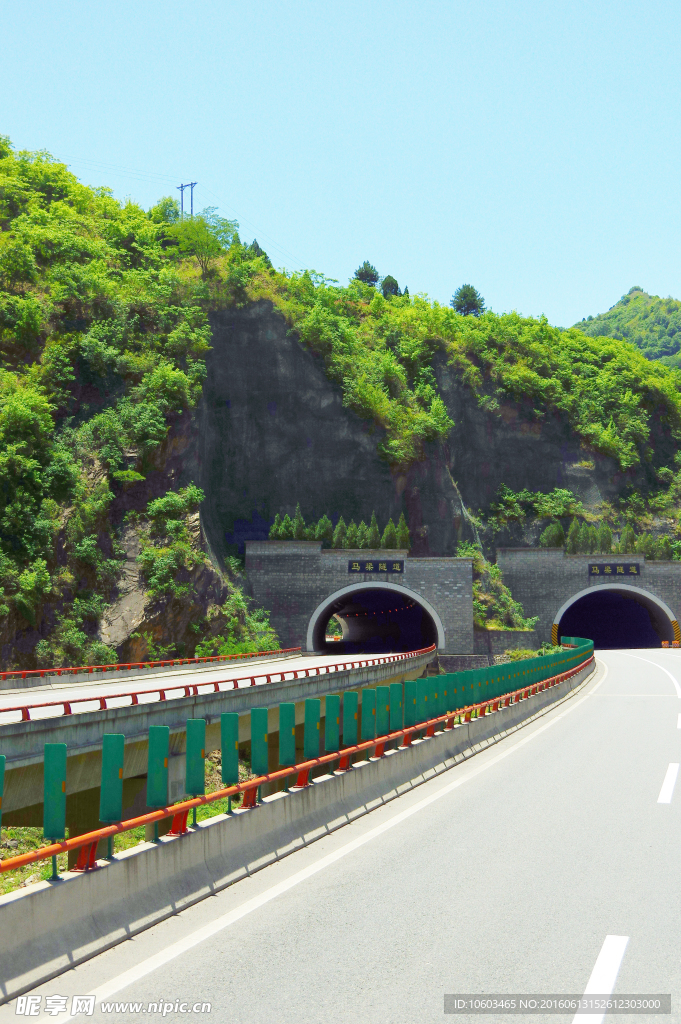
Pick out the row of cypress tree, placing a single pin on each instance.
(583, 539)
(351, 535)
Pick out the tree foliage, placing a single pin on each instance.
(649, 322)
(389, 286)
(367, 274)
(468, 301)
(351, 536)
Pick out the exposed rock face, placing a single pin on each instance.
(134, 618)
(274, 432)
(127, 614)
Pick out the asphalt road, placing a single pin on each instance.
(506, 874)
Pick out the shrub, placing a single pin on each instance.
(553, 536)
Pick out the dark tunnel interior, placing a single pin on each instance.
(617, 619)
(376, 621)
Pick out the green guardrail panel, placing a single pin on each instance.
(157, 766)
(54, 791)
(311, 737)
(195, 767)
(382, 710)
(350, 718)
(259, 743)
(229, 747)
(410, 703)
(368, 714)
(445, 683)
(287, 735)
(422, 702)
(396, 719)
(434, 697)
(332, 712)
(111, 788)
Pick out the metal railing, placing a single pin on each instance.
(192, 689)
(31, 673)
(88, 842)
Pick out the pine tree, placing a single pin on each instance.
(663, 549)
(583, 539)
(286, 531)
(553, 536)
(574, 537)
(324, 531)
(605, 539)
(645, 545)
(351, 535)
(403, 533)
(298, 525)
(389, 538)
(627, 542)
(374, 537)
(593, 540)
(362, 535)
(339, 533)
(275, 528)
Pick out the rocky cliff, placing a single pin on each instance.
(273, 432)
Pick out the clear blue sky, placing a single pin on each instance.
(530, 148)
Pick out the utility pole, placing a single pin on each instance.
(181, 189)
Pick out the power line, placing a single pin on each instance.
(138, 175)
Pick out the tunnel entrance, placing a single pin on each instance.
(617, 617)
(374, 620)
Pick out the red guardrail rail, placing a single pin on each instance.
(41, 672)
(179, 812)
(192, 689)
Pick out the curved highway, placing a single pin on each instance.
(546, 860)
(171, 680)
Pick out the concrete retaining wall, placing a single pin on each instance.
(495, 641)
(49, 927)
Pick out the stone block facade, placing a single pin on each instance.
(293, 578)
(544, 579)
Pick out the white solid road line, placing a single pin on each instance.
(667, 790)
(604, 975)
(649, 662)
(176, 949)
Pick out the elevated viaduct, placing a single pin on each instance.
(81, 715)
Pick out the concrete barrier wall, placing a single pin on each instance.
(49, 927)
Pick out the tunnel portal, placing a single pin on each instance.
(375, 621)
(617, 618)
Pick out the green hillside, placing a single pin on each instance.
(103, 334)
(647, 321)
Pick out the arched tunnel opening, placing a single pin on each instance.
(617, 619)
(374, 621)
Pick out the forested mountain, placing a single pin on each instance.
(105, 328)
(647, 321)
